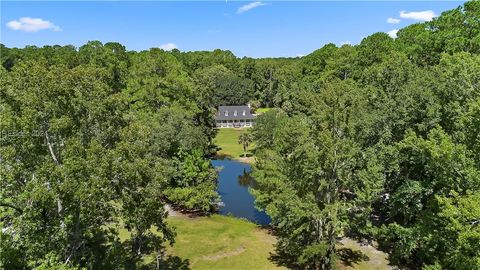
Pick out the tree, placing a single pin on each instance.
(433, 181)
(56, 181)
(245, 139)
(254, 105)
(306, 177)
(85, 154)
(156, 79)
(373, 141)
(193, 187)
(219, 86)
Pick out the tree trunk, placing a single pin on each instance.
(60, 209)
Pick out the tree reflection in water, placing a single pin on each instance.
(246, 180)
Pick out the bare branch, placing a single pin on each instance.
(50, 148)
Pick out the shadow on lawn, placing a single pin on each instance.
(147, 259)
(169, 263)
(349, 257)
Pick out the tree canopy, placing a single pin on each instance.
(376, 141)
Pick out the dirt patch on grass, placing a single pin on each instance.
(249, 160)
(222, 255)
(355, 255)
(266, 235)
(170, 210)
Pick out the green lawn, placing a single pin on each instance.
(227, 141)
(221, 242)
(262, 110)
(215, 242)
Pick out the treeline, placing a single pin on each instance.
(228, 79)
(95, 141)
(378, 141)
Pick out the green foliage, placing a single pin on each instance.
(91, 140)
(263, 131)
(193, 186)
(156, 79)
(245, 139)
(255, 105)
(220, 86)
(56, 175)
(306, 171)
(375, 141)
(380, 142)
(429, 173)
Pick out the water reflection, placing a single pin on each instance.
(234, 179)
(246, 180)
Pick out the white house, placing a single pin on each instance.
(234, 117)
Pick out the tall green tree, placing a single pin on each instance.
(305, 177)
(55, 178)
(245, 139)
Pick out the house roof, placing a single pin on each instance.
(228, 113)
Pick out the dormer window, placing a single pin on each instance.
(226, 113)
(243, 113)
(235, 113)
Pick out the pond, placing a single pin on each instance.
(233, 182)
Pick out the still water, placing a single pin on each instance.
(233, 183)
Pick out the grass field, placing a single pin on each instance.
(227, 141)
(262, 110)
(220, 242)
(215, 242)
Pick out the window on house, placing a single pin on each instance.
(235, 113)
(243, 113)
(226, 113)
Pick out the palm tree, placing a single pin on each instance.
(245, 139)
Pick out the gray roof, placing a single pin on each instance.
(228, 113)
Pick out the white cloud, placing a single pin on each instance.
(250, 6)
(28, 24)
(345, 43)
(426, 15)
(168, 46)
(393, 20)
(393, 33)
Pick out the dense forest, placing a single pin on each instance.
(379, 141)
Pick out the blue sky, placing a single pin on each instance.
(255, 29)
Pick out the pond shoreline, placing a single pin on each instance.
(246, 160)
(234, 182)
(179, 213)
